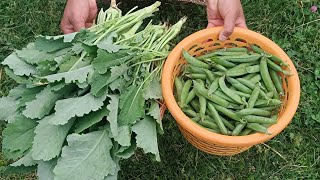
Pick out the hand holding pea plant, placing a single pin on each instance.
(227, 13)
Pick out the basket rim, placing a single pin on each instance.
(199, 132)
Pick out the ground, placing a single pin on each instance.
(293, 154)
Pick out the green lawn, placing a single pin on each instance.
(293, 154)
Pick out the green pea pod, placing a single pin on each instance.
(228, 91)
(245, 132)
(243, 58)
(233, 72)
(249, 76)
(223, 62)
(189, 112)
(217, 118)
(277, 68)
(236, 49)
(256, 49)
(255, 79)
(195, 104)
(184, 93)
(227, 123)
(204, 92)
(195, 119)
(265, 103)
(194, 69)
(277, 82)
(254, 111)
(248, 83)
(238, 85)
(213, 130)
(219, 67)
(253, 69)
(179, 85)
(269, 95)
(230, 53)
(238, 129)
(191, 95)
(194, 61)
(278, 60)
(209, 124)
(245, 95)
(254, 97)
(227, 112)
(224, 96)
(210, 75)
(207, 55)
(266, 77)
(259, 119)
(197, 76)
(203, 106)
(213, 87)
(258, 127)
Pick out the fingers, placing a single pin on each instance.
(229, 24)
(78, 24)
(66, 26)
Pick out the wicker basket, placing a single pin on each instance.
(213, 143)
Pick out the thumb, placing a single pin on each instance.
(229, 24)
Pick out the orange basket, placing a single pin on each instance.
(203, 41)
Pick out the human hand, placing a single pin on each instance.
(78, 14)
(227, 13)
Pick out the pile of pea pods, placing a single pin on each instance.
(232, 91)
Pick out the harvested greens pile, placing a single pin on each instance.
(232, 91)
(86, 100)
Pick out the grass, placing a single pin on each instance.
(293, 154)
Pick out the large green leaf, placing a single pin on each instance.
(49, 139)
(78, 75)
(51, 44)
(86, 157)
(19, 66)
(154, 111)
(108, 45)
(26, 160)
(34, 56)
(78, 106)
(147, 136)
(133, 106)
(8, 108)
(153, 89)
(45, 169)
(99, 81)
(18, 79)
(113, 115)
(126, 152)
(19, 134)
(105, 60)
(42, 105)
(90, 119)
(123, 135)
(14, 155)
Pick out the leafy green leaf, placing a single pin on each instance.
(51, 44)
(34, 56)
(126, 152)
(78, 106)
(73, 63)
(133, 107)
(14, 155)
(90, 119)
(45, 100)
(123, 135)
(19, 134)
(79, 75)
(105, 60)
(45, 169)
(86, 157)
(108, 45)
(20, 169)
(99, 81)
(147, 136)
(49, 139)
(18, 79)
(26, 160)
(113, 115)
(8, 108)
(154, 112)
(19, 66)
(153, 89)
